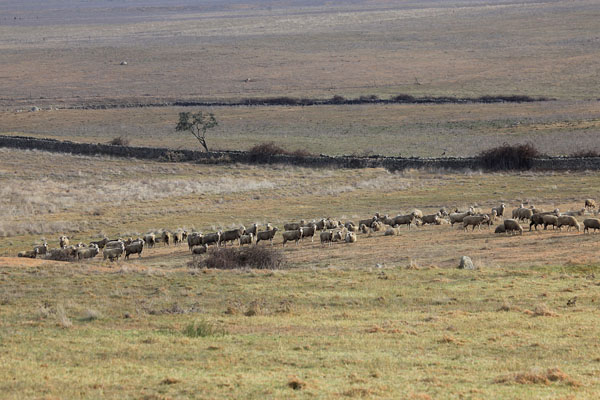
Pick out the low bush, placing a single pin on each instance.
(119, 141)
(509, 157)
(257, 257)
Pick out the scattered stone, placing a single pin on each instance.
(466, 263)
(123, 62)
(35, 109)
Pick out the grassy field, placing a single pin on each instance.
(557, 127)
(331, 324)
(386, 317)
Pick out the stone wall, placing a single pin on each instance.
(323, 161)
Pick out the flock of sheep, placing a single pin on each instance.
(329, 230)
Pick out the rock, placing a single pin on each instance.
(466, 263)
(34, 109)
(123, 62)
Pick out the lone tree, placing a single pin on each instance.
(197, 124)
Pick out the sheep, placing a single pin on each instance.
(385, 220)
(538, 218)
(516, 211)
(114, 243)
(28, 253)
(443, 212)
(474, 220)
(232, 235)
(458, 217)
(363, 228)
(377, 226)
(252, 230)
(591, 223)
(574, 213)
(332, 224)
(347, 224)
(500, 229)
(41, 249)
(392, 232)
(491, 218)
(350, 237)
(268, 227)
(63, 241)
(367, 222)
(212, 238)
(338, 236)
(266, 235)
(113, 253)
(352, 228)
(135, 247)
(417, 213)
(499, 210)
(246, 239)
(569, 221)
(178, 238)
(294, 235)
(431, 218)
(150, 239)
(309, 232)
(200, 249)
(525, 214)
(292, 226)
(100, 243)
(326, 237)
(167, 238)
(88, 252)
(512, 225)
(550, 220)
(320, 224)
(590, 203)
(404, 219)
(194, 239)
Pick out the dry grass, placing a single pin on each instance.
(539, 377)
(302, 50)
(561, 127)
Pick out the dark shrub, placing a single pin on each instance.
(404, 98)
(267, 149)
(368, 99)
(508, 157)
(257, 257)
(119, 141)
(337, 99)
(271, 149)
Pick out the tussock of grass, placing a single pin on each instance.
(541, 310)
(90, 315)
(170, 381)
(61, 317)
(538, 377)
(296, 383)
(202, 329)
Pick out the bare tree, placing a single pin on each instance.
(197, 124)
